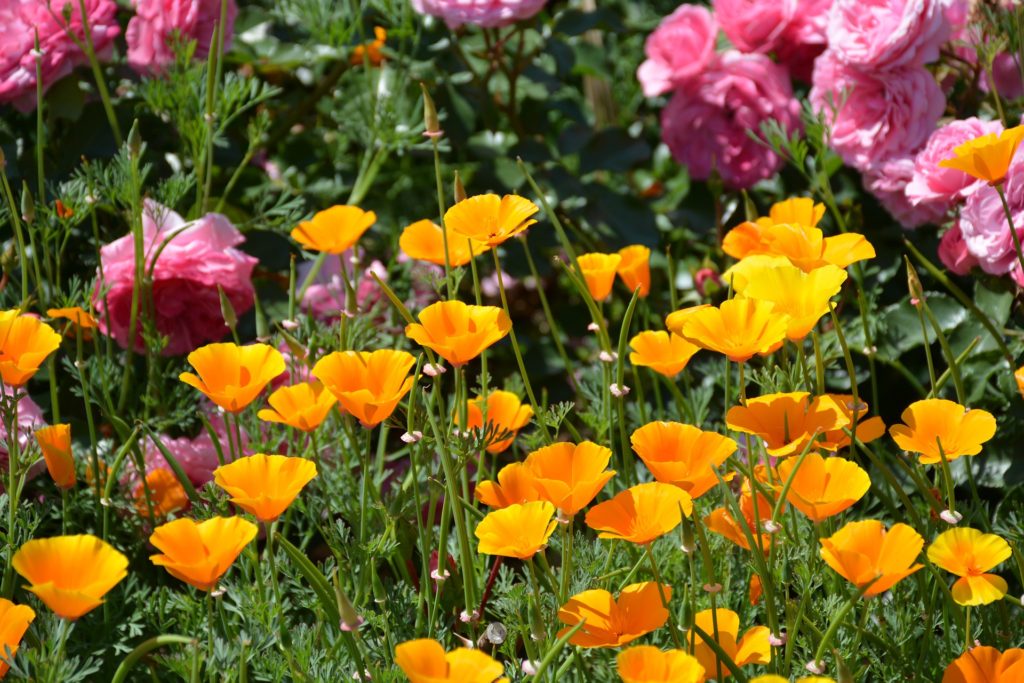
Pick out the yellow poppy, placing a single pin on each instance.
(334, 230)
(490, 219)
(970, 554)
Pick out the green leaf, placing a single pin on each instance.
(317, 581)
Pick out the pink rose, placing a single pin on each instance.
(485, 13)
(195, 258)
(755, 25)
(882, 34)
(197, 456)
(1006, 77)
(943, 187)
(879, 116)
(150, 31)
(983, 222)
(30, 418)
(953, 252)
(678, 51)
(887, 181)
(804, 38)
(707, 127)
(326, 297)
(20, 20)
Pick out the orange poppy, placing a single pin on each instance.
(367, 384)
(200, 553)
(823, 487)
(459, 332)
(1018, 376)
(425, 661)
(642, 513)
(490, 219)
(868, 428)
(519, 530)
(25, 342)
(984, 664)
(936, 423)
(987, 157)
(265, 485)
(14, 621)
(334, 230)
(424, 241)
(232, 376)
(648, 664)
(610, 622)
(752, 648)
(371, 50)
(165, 494)
(664, 352)
(970, 554)
(871, 558)
(635, 268)
(515, 485)
(55, 442)
(506, 415)
(303, 406)
(738, 329)
(755, 509)
(674, 320)
(682, 454)
(786, 422)
(598, 272)
(569, 475)
(75, 314)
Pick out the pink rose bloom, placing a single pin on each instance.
(678, 51)
(485, 13)
(20, 20)
(197, 456)
(887, 181)
(943, 187)
(983, 222)
(804, 38)
(953, 252)
(325, 298)
(150, 30)
(196, 257)
(755, 25)
(30, 418)
(1006, 76)
(882, 34)
(707, 127)
(883, 115)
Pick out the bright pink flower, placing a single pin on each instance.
(150, 31)
(804, 39)
(195, 258)
(325, 298)
(707, 126)
(879, 116)
(887, 181)
(197, 456)
(941, 187)
(485, 13)
(986, 232)
(755, 25)
(1006, 75)
(678, 51)
(953, 252)
(882, 34)
(20, 19)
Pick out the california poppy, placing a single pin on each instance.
(490, 219)
(232, 376)
(334, 230)
(755, 509)
(799, 210)
(371, 50)
(738, 329)
(871, 558)
(674, 320)
(200, 553)
(804, 297)
(970, 554)
(70, 574)
(936, 423)
(787, 422)
(265, 485)
(664, 352)
(302, 406)
(1018, 377)
(752, 648)
(367, 384)
(823, 487)
(519, 530)
(506, 415)
(160, 491)
(14, 621)
(55, 442)
(424, 241)
(569, 475)
(635, 268)
(648, 664)
(985, 664)
(868, 428)
(682, 454)
(75, 314)
(425, 661)
(987, 157)
(642, 513)
(610, 622)
(598, 272)
(459, 332)
(25, 342)
(807, 248)
(515, 485)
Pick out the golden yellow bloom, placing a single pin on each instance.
(506, 415)
(664, 352)
(642, 513)
(871, 558)
(823, 487)
(519, 530)
(683, 455)
(25, 342)
(424, 241)
(569, 475)
(334, 230)
(786, 422)
(986, 157)
(162, 492)
(490, 219)
(610, 622)
(265, 485)
(14, 621)
(459, 332)
(648, 664)
(368, 384)
(935, 421)
(806, 247)
(635, 268)
(674, 320)
(752, 648)
(303, 406)
(599, 273)
(799, 210)
(970, 554)
(55, 442)
(804, 297)
(425, 661)
(738, 329)
(515, 485)
(232, 376)
(70, 574)
(200, 553)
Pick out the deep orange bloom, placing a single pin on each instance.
(490, 219)
(162, 491)
(303, 406)
(425, 661)
(75, 314)
(25, 342)
(674, 320)
(515, 485)
(871, 558)
(459, 332)
(610, 622)
(55, 442)
(682, 455)
(755, 509)
(935, 421)
(752, 648)
(868, 428)
(986, 157)
(70, 574)
(635, 268)
(738, 329)
(368, 384)
(642, 513)
(569, 475)
(232, 376)
(664, 352)
(986, 665)
(519, 530)
(265, 485)
(200, 553)
(14, 621)
(970, 554)
(334, 230)
(823, 487)
(424, 241)
(371, 50)
(598, 272)
(786, 422)
(648, 664)
(506, 415)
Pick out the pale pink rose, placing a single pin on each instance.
(882, 34)
(150, 31)
(326, 297)
(887, 181)
(678, 51)
(485, 13)
(941, 187)
(755, 25)
(953, 252)
(707, 127)
(879, 116)
(30, 418)
(984, 226)
(195, 258)
(20, 19)
(804, 39)
(197, 455)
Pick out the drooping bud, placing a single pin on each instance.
(431, 125)
(460, 190)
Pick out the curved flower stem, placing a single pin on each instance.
(538, 613)
(435, 140)
(567, 541)
(143, 649)
(1009, 220)
(947, 477)
(664, 598)
(826, 639)
(556, 335)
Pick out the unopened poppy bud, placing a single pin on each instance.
(618, 391)
(28, 205)
(227, 310)
(951, 517)
(9, 261)
(412, 437)
(431, 126)
(135, 140)
(350, 619)
(460, 190)
(608, 356)
(914, 285)
(379, 594)
(434, 369)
